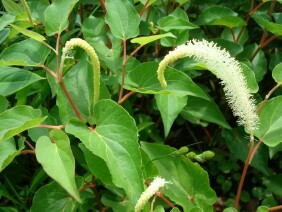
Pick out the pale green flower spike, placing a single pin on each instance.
(157, 183)
(93, 57)
(226, 68)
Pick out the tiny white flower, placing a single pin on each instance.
(157, 183)
(226, 68)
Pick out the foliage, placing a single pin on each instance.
(76, 139)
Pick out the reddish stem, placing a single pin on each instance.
(276, 208)
(160, 195)
(144, 8)
(70, 100)
(103, 5)
(268, 96)
(243, 176)
(27, 151)
(255, 150)
(49, 71)
(125, 97)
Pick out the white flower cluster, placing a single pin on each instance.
(157, 183)
(226, 68)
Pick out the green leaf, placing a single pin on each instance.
(232, 47)
(170, 106)
(25, 53)
(52, 197)
(6, 19)
(182, 34)
(230, 209)
(238, 144)
(270, 127)
(274, 28)
(189, 185)
(250, 78)
(29, 33)
(203, 109)
(15, 79)
(274, 184)
(97, 166)
(4, 33)
(110, 56)
(11, 6)
(172, 22)
(143, 79)
(17, 120)
(115, 140)
(277, 73)
(122, 19)
(56, 16)
(100, 27)
(219, 15)
(263, 208)
(57, 160)
(8, 152)
(147, 39)
(3, 104)
(258, 64)
(82, 95)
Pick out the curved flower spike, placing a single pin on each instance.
(226, 68)
(157, 183)
(93, 57)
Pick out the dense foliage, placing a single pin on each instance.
(87, 122)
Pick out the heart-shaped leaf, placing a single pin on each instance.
(170, 106)
(270, 128)
(25, 53)
(56, 16)
(17, 120)
(57, 160)
(143, 79)
(14, 79)
(52, 197)
(115, 140)
(189, 184)
(122, 19)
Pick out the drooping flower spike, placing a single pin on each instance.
(227, 69)
(94, 61)
(157, 183)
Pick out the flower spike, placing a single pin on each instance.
(93, 57)
(227, 69)
(157, 183)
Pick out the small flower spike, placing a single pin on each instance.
(157, 183)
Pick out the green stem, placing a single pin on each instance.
(27, 11)
(123, 70)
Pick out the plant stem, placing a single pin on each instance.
(97, 196)
(268, 96)
(29, 144)
(255, 150)
(276, 208)
(126, 97)
(49, 71)
(243, 176)
(160, 195)
(51, 126)
(27, 151)
(123, 69)
(144, 8)
(103, 5)
(71, 101)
